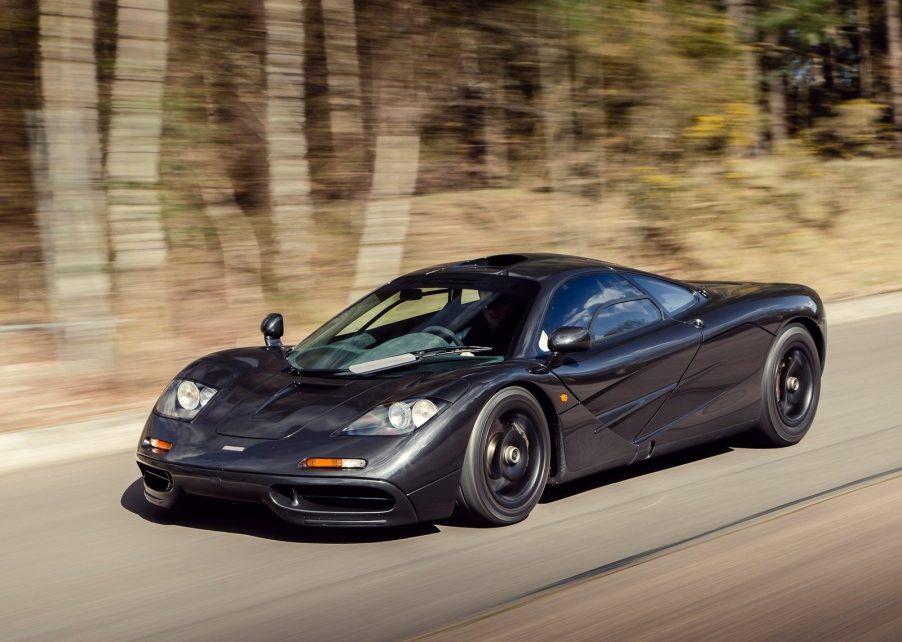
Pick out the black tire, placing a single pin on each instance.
(790, 387)
(507, 460)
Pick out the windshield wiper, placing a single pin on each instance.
(428, 352)
(407, 358)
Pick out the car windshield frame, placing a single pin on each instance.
(371, 329)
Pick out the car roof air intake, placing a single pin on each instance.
(497, 261)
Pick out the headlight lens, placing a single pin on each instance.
(188, 395)
(183, 399)
(399, 418)
(422, 411)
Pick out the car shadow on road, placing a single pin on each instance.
(255, 520)
(608, 477)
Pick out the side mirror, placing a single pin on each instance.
(273, 327)
(569, 339)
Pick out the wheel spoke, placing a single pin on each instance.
(792, 364)
(793, 385)
(498, 484)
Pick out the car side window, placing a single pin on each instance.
(576, 301)
(622, 317)
(672, 297)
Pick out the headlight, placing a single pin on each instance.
(183, 399)
(398, 418)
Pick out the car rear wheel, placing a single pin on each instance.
(507, 460)
(791, 387)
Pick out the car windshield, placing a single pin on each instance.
(428, 320)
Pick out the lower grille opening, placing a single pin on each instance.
(337, 498)
(156, 479)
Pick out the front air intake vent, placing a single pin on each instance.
(334, 498)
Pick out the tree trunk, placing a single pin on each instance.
(289, 177)
(237, 240)
(474, 101)
(776, 102)
(895, 63)
(556, 97)
(396, 165)
(345, 120)
(740, 14)
(865, 71)
(776, 94)
(66, 151)
(133, 157)
(491, 68)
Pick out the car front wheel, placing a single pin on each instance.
(507, 460)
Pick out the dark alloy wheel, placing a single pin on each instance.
(791, 387)
(507, 460)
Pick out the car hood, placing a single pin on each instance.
(260, 399)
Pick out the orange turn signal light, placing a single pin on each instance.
(161, 446)
(564, 397)
(331, 463)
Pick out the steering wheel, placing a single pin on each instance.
(444, 333)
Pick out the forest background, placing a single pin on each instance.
(170, 170)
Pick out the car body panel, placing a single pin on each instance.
(624, 384)
(687, 378)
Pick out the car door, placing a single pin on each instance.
(638, 355)
(720, 390)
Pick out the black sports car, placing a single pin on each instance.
(477, 383)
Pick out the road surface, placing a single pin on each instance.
(831, 570)
(84, 557)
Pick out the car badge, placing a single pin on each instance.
(236, 449)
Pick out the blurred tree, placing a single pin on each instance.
(133, 150)
(798, 39)
(397, 158)
(742, 25)
(775, 77)
(289, 170)
(589, 169)
(895, 64)
(206, 140)
(21, 273)
(466, 96)
(865, 72)
(272, 106)
(219, 168)
(492, 90)
(18, 57)
(480, 128)
(66, 162)
(556, 93)
(345, 109)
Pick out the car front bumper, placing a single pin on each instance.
(303, 500)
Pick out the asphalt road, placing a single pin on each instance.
(84, 557)
(830, 570)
